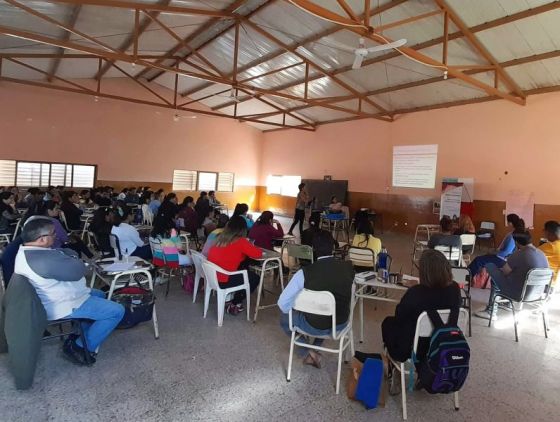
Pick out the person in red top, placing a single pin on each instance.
(230, 252)
(263, 232)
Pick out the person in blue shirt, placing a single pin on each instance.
(156, 202)
(507, 247)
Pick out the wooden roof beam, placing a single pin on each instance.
(71, 23)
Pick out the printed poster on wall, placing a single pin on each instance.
(451, 194)
(414, 166)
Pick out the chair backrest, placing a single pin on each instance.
(361, 257)
(115, 245)
(487, 225)
(147, 215)
(18, 226)
(468, 240)
(321, 303)
(158, 257)
(211, 274)
(198, 259)
(300, 251)
(461, 275)
(452, 253)
(424, 326)
(63, 219)
(346, 212)
(535, 287)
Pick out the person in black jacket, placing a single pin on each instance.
(69, 207)
(202, 207)
(436, 290)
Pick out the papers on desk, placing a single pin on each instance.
(367, 275)
(118, 266)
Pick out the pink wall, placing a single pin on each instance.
(480, 140)
(127, 141)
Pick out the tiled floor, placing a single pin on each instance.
(199, 371)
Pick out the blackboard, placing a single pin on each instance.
(323, 190)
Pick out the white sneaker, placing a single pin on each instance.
(485, 314)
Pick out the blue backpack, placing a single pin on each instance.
(445, 367)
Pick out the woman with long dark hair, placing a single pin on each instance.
(263, 232)
(242, 210)
(230, 252)
(436, 290)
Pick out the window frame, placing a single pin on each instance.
(197, 184)
(50, 163)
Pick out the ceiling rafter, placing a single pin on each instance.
(428, 81)
(483, 51)
(205, 26)
(139, 29)
(430, 43)
(312, 38)
(71, 23)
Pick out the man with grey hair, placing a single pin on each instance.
(58, 277)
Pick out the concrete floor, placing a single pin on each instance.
(199, 371)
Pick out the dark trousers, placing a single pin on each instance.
(299, 217)
(77, 245)
(143, 252)
(237, 280)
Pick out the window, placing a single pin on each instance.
(191, 180)
(283, 185)
(34, 174)
(225, 182)
(7, 172)
(207, 181)
(184, 180)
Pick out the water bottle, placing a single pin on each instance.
(382, 259)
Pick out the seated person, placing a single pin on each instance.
(263, 232)
(551, 248)
(8, 259)
(8, 213)
(129, 238)
(156, 201)
(505, 249)
(510, 277)
(436, 290)
(188, 216)
(213, 200)
(72, 213)
(132, 197)
(314, 227)
(170, 242)
(211, 239)
(364, 237)
(58, 277)
(209, 223)
(101, 225)
(335, 207)
(242, 210)
(168, 207)
(202, 207)
(62, 239)
(230, 253)
(466, 226)
(326, 274)
(444, 237)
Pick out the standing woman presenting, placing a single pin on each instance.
(301, 202)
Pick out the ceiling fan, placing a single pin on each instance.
(239, 97)
(361, 52)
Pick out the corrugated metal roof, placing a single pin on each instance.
(521, 38)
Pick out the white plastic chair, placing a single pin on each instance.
(454, 255)
(211, 277)
(468, 240)
(198, 259)
(147, 215)
(362, 257)
(16, 230)
(487, 232)
(462, 276)
(322, 303)
(424, 328)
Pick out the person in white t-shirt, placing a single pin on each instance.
(129, 239)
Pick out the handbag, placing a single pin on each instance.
(138, 305)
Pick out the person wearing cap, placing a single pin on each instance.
(58, 276)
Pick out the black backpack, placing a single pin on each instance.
(445, 367)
